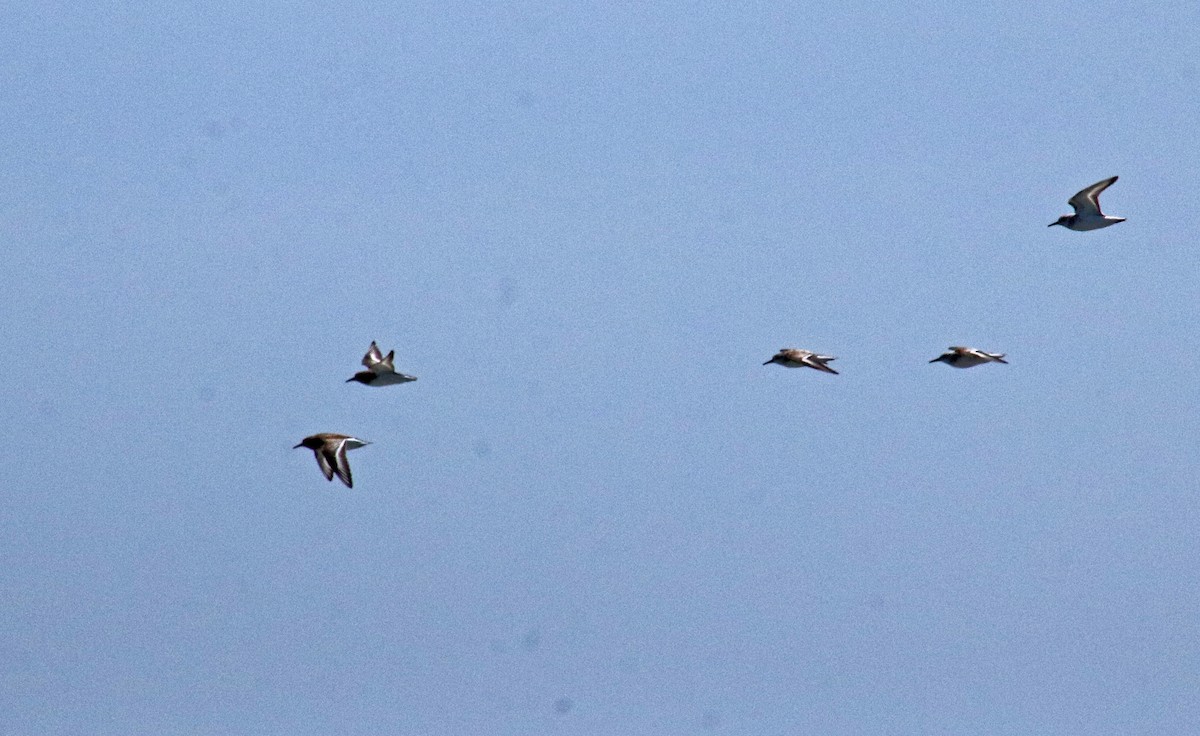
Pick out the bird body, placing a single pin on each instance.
(380, 370)
(793, 358)
(960, 357)
(330, 449)
(1086, 204)
(380, 379)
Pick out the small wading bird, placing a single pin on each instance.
(1086, 203)
(960, 357)
(380, 371)
(793, 358)
(330, 450)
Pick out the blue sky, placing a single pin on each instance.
(584, 227)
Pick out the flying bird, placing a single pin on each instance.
(380, 371)
(793, 358)
(1086, 203)
(960, 357)
(330, 450)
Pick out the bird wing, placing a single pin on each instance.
(387, 363)
(341, 466)
(373, 356)
(1087, 200)
(818, 362)
(976, 353)
(984, 355)
(324, 460)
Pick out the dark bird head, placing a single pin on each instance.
(1064, 221)
(777, 358)
(364, 377)
(944, 358)
(311, 443)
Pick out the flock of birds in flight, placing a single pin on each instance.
(330, 448)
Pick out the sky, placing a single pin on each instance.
(584, 227)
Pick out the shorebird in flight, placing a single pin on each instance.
(330, 450)
(793, 358)
(1086, 203)
(960, 357)
(380, 371)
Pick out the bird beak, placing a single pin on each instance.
(351, 378)
(1052, 224)
(935, 359)
(769, 362)
(296, 447)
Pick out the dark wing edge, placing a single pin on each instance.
(341, 466)
(323, 461)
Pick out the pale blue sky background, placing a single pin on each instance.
(584, 227)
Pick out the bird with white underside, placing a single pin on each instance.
(380, 370)
(961, 357)
(793, 358)
(1086, 204)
